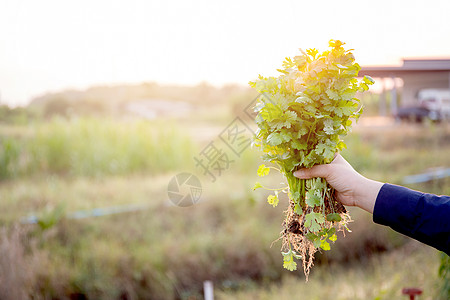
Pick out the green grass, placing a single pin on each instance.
(37, 195)
(165, 252)
(390, 154)
(90, 147)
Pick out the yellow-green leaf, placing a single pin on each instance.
(325, 245)
(257, 186)
(263, 170)
(273, 200)
(333, 238)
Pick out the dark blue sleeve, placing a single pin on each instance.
(424, 217)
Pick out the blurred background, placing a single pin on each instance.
(102, 103)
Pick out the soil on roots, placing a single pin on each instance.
(294, 233)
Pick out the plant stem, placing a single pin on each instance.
(296, 185)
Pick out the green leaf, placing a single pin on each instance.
(298, 209)
(273, 200)
(296, 144)
(263, 170)
(346, 108)
(288, 260)
(332, 94)
(368, 80)
(335, 43)
(288, 63)
(303, 99)
(334, 217)
(274, 139)
(341, 66)
(311, 236)
(295, 196)
(285, 135)
(311, 109)
(301, 132)
(300, 60)
(319, 184)
(348, 94)
(312, 52)
(257, 186)
(270, 112)
(328, 126)
(326, 150)
(341, 145)
(317, 243)
(331, 231)
(291, 265)
(312, 199)
(313, 221)
(290, 116)
(322, 232)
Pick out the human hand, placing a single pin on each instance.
(352, 188)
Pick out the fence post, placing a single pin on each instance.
(208, 290)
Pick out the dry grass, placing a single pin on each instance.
(382, 277)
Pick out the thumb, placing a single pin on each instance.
(316, 171)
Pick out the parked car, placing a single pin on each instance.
(417, 114)
(433, 104)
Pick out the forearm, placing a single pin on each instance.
(424, 217)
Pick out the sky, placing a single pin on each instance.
(52, 45)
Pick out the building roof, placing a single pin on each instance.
(409, 66)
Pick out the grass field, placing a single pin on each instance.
(53, 168)
(380, 277)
